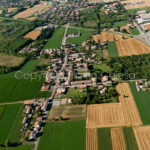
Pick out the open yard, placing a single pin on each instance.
(70, 112)
(8, 122)
(9, 60)
(142, 102)
(56, 39)
(85, 34)
(68, 135)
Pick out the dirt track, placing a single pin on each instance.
(124, 113)
(91, 139)
(131, 46)
(117, 137)
(142, 135)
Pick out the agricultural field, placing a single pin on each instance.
(31, 11)
(9, 60)
(85, 34)
(56, 40)
(73, 31)
(130, 139)
(142, 135)
(23, 88)
(8, 125)
(142, 102)
(104, 139)
(106, 36)
(33, 35)
(69, 135)
(112, 49)
(120, 24)
(11, 34)
(131, 46)
(124, 113)
(146, 3)
(70, 112)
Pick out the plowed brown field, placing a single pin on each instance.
(91, 139)
(118, 142)
(142, 135)
(146, 3)
(106, 36)
(131, 46)
(33, 35)
(124, 113)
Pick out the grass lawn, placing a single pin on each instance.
(69, 135)
(21, 147)
(112, 49)
(134, 31)
(73, 30)
(104, 139)
(85, 34)
(13, 89)
(103, 67)
(56, 39)
(142, 100)
(121, 23)
(7, 120)
(8, 60)
(130, 139)
(132, 11)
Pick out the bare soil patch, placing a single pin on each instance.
(33, 34)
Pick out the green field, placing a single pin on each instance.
(112, 49)
(130, 139)
(104, 139)
(85, 34)
(69, 135)
(73, 31)
(134, 31)
(142, 100)
(21, 147)
(13, 89)
(8, 121)
(121, 23)
(56, 39)
(103, 67)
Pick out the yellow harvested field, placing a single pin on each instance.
(142, 135)
(131, 4)
(33, 35)
(106, 36)
(126, 99)
(131, 46)
(31, 11)
(12, 9)
(91, 139)
(117, 137)
(124, 113)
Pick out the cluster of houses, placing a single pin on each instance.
(62, 14)
(142, 85)
(111, 8)
(143, 19)
(34, 118)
